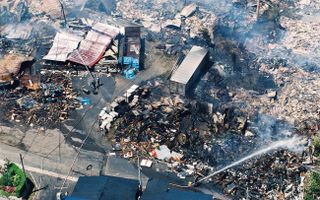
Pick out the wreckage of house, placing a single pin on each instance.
(188, 73)
(10, 66)
(85, 51)
(131, 44)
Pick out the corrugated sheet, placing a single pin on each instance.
(63, 45)
(189, 10)
(189, 65)
(97, 37)
(106, 29)
(90, 50)
(93, 47)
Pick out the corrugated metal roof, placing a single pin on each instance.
(107, 30)
(63, 45)
(97, 37)
(90, 50)
(189, 65)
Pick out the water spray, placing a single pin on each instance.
(288, 143)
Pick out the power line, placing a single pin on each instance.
(32, 142)
(79, 151)
(63, 14)
(68, 134)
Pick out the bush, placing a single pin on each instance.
(13, 176)
(316, 143)
(312, 186)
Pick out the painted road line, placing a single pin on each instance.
(45, 172)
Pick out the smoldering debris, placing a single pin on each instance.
(48, 105)
(153, 124)
(262, 87)
(177, 26)
(280, 176)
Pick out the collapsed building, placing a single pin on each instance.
(131, 49)
(163, 126)
(87, 51)
(108, 48)
(12, 67)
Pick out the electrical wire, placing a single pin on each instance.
(79, 151)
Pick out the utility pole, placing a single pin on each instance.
(96, 82)
(22, 164)
(140, 181)
(258, 8)
(63, 14)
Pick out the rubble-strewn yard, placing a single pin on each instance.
(264, 68)
(50, 104)
(262, 87)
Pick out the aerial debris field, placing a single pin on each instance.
(213, 99)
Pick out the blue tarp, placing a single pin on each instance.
(84, 101)
(129, 74)
(132, 66)
(130, 61)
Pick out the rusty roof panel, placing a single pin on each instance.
(93, 47)
(89, 52)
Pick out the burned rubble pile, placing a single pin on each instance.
(46, 106)
(156, 119)
(163, 127)
(268, 67)
(260, 87)
(296, 99)
(13, 11)
(177, 25)
(276, 89)
(274, 176)
(168, 128)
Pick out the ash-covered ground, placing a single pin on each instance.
(261, 88)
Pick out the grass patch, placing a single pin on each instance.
(312, 186)
(316, 143)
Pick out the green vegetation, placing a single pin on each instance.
(13, 179)
(316, 143)
(312, 186)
